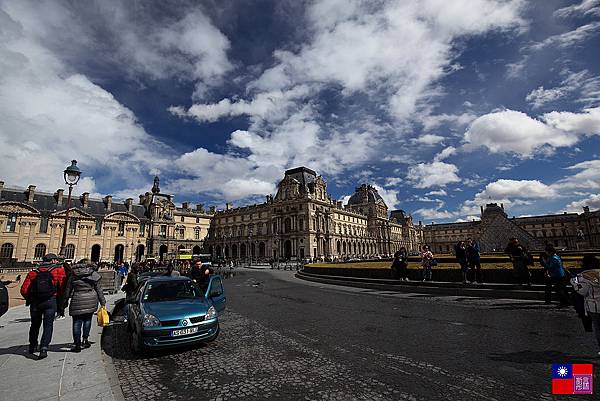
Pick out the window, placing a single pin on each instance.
(142, 229)
(182, 219)
(40, 251)
(182, 233)
(11, 223)
(70, 251)
(196, 233)
(99, 226)
(44, 224)
(163, 230)
(121, 231)
(6, 251)
(72, 225)
(197, 220)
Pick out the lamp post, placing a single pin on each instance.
(71, 174)
(250, 232)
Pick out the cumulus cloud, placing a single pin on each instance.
(439, 192)
(427, 175)
(445, 153)
(505, 190)
(429, 139)
(586, 8)
(592, 201)
(587, 177)
(515, 132)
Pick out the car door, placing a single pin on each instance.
(216, 293)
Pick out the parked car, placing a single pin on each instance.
(171, 311)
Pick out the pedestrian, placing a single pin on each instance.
(83, 294)
(60, 311)
(171, 271)
(40, 289)
(131, 282)
(474, 260)
(588, 262)
(556, 276)
(400, 265)
(587, 284)
(427, 261)
(521, 259)
(460, 251)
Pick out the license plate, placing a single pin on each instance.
(183, 332)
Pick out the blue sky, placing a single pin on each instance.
(443, 105)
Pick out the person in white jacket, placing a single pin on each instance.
(588, 285)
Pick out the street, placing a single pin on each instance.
(286, 339)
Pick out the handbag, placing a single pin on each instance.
(103, 319)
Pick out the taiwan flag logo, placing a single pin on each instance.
(572, 378)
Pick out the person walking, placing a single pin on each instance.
(588, 262)
(556, 276)
(427, 261)
(474, 261)
(587, 284)
(60, 311)
(84, 292)
(460, 251)
(40, 289)
(520, 259)
(400, 265)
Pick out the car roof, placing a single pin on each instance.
(168, 278)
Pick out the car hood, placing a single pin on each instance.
(179, 309)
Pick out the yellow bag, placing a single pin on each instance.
(103, 318)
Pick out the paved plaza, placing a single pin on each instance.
(285, 339)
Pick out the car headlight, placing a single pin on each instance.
(211, 313)
(150, 321)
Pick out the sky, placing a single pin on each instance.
(442, 105)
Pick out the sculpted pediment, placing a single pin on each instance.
(74, 212)
(122, 216)
(17, 207)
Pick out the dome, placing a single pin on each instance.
(365, 194)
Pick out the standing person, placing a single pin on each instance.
(520, 259)
(427, 262)
(474, 260)
(60, 311)
(171, 271)
(589, 262)
(41, 288)
(399, 265)
(587, 284)
(84, 292)
(556, 274)
(131, 282)
(201, 274)
(460, 250)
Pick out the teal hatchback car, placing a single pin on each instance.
(171, 311)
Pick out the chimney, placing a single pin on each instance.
(129, 204)
(142, 199)
(481, 207)
(339, 204)
(212, 210)
(108, 202)
(85, 199)
(586, 209)
(228, 206)
(59, 196)
(30, 193)
(502, 206)
(186, 205)
(200, 207)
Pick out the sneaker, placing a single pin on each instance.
(86, 343)
(43, 354)
(76, 348)
(60, 317)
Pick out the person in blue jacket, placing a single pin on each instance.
(556, 276)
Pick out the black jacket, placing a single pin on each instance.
(84, 290)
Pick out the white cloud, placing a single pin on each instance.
(503, 190)
(582, 86)
(429, 139)
(439, 192)
(570, 38)
(516, 132)
(392, 181)
(592, 201)
(586, 7)
(457, 120)
(390, 196)
(427, 175)
(586, 123)
(445, 153)
(588, 176)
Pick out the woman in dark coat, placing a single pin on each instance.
(84, 292)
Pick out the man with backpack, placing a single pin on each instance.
(40, 289)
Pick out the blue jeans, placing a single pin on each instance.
(596, 325)
(78, 322)
(42, 311)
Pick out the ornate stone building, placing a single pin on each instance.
(32, 224)
(302, 221)
(564, 231)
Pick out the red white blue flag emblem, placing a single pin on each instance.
(576, 378)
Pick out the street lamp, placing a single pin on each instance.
(71, 174)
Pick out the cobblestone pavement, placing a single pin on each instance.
(281, 340)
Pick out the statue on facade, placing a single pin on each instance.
(156, 186)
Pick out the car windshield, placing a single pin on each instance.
(162, 291)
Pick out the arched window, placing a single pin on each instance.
(196, 233)
(287, 224)
(11, 223)
(6, 250)
(121, 231)
(69, 251)
(40, 251)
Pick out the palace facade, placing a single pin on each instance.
(103, 230)
(570, 231)
(303, 221)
